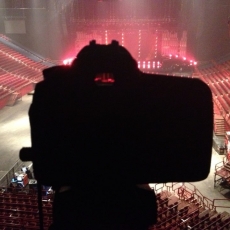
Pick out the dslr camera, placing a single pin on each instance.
(100, 127)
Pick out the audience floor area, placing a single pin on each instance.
(15, 134)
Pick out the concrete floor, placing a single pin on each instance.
(15, 134)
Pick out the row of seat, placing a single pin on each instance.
(220, 88)
(18, 74)
(12, 88)
(217, 77)
(13, 83)
(184, 210)
(19, 57)
(19, 69)
(20, 210)
(25, 214)
(174, 212)
(22, 205)
(213, 74)
(4, 92)
(23, 218)
(174, 216)
(24, 195)
(25, 224)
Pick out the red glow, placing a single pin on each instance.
(105, 78)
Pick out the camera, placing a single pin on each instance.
(102, 121)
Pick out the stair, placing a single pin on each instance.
(219, 125)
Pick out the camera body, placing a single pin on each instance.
(101, 126)
(101, 119)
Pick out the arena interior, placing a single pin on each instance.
(186, 38)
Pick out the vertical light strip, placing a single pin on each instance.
(139, 44)
(106, 37)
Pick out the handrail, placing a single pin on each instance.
(209, 203)
(186, 189)
(182, 191)
(219, 163)
(223, 162)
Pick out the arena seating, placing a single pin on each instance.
(18, 75)
(217, 77)
(18, 64)
(180, 207)
(19, 209)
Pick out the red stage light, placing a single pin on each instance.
(139, 65)
(67, 61)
